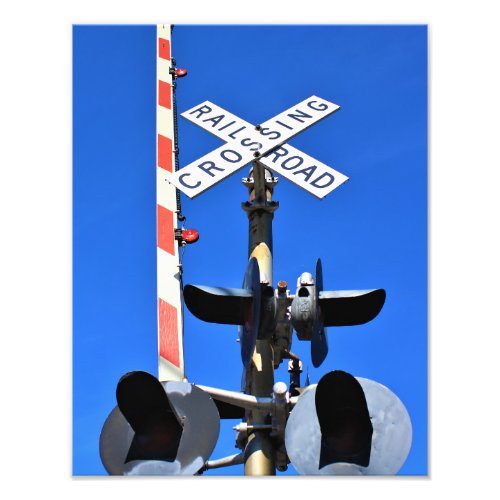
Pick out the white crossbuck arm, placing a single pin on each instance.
(266, 143)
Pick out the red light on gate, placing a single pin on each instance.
(190, 235)
(180, 72)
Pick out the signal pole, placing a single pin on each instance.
(142, 435)
(259, 454)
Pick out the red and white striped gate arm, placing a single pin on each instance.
(170, 348)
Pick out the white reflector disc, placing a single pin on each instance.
(200, 419)
(391, 442)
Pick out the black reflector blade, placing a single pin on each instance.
(346, 429)
(145, 405)
(227, 306)
(228, 410)
(319, 341)
(319, 347)
(247, 332)
(350, 307)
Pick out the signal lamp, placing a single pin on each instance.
(190, 236)
(346, 429)
(180, 72)
(145, 405)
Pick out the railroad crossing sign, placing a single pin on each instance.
(266, 143)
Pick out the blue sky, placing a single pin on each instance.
(369, 233)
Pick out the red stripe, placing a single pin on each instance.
(164, 48)
(165, 152)
(164, 94)
(169, 340)
(165, 229)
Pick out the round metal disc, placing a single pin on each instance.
(200, 419)
(319, 341)
(114, 443)
(391, 442)
(247, 333)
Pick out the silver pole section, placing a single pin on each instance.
(238, 399)
(249, 402)
(224, 462)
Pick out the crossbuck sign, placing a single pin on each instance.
(265, 143)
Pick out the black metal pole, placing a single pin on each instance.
(259, 453)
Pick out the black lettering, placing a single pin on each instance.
(330, 181)
(300, 114)
(267, 132)
(224, 156)
(301, 160)
(202, 110)
(284, 125)
(228, 125)
(277, 154)
(235, 132)
(319, 107)
(181, 180)
(215, 120)
(310, 171)
(244, 142)
(211, 167)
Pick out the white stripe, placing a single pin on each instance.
(165, 122)
(169, 285)
(163, 31)
(165, 192)
(168, 371)
(163, 70)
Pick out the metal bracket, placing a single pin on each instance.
(269, 181)
(178, 234)
(222, 462)
(245, 428)
(247, 401)
(282, 339)
(270, 206)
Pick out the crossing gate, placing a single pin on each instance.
(169, 280)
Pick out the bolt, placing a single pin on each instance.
(280, 389)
